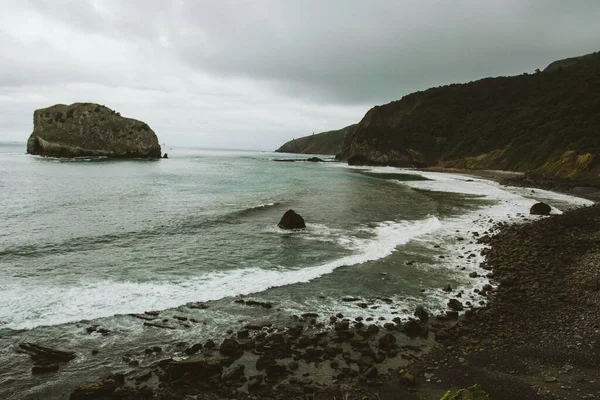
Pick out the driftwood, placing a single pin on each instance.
(39, 352)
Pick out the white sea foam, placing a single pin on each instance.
(28, 307)
(511, 205)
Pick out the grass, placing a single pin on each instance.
(472, 393)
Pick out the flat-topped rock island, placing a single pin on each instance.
(89, 129)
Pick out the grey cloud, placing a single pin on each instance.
(238, 70)
(356, 51)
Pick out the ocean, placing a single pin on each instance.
(90, 241)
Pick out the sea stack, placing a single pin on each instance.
(291, 220)
(88, 129)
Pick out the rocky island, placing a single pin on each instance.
(88, 129)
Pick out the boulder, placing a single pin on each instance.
(197, 367)
(314, 159)
(88, 129)
(412, 328)
(387, 341)
(47, 354)
(231, 348)
(540, 209)
(421, 314)
(44, 368)
(291, 220)
(455, 305)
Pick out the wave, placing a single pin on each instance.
(27, 307)
(126, 239)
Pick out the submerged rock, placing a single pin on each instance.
(540, 209)
(291, 220)
(88, 129)
(47, 354)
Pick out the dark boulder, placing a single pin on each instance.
(166, 155)
(421, 314)
(314, 159)
(39, 352)
(291, 220)
(44, 368)
(231, 347)
(455, 305)
(358, 159)
(412, 328)
(540, 209)
(196, 367)
(387, 341)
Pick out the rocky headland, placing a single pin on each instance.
(320, 143)
(88, 129)
(543, 123)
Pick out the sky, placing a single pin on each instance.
(245, 74)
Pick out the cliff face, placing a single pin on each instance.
(88, 129)
(546, 122)
(321, 143)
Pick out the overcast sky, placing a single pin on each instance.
(254, 74)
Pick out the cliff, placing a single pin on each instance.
(321, 143)
(88, 129)
(546, 123)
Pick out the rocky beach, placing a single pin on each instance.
(535, 337)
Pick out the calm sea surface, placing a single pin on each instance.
(88, 241)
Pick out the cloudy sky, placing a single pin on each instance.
(254, 74)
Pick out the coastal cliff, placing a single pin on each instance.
(321, 143)
(88, 129)
(546, 123)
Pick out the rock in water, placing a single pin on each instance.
(291, 220)
(421, 314)
(88, 129)
(540, 209)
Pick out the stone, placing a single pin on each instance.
(253, 385)
(421, 314)
(342, 325)
(197, 367)
(88, 129)
(275, 370)
(455, 305)
(412, 328)
(231, 348)
(540, 209)
(291, 220)
(371, 372)
(234, 373)
(314, 159)
(39, 352)
(193, 349)
(263, 304)
(44, 368)
(387, 341)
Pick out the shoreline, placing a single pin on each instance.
(314, 359)
(585, 189)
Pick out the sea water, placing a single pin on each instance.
(88, 241)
